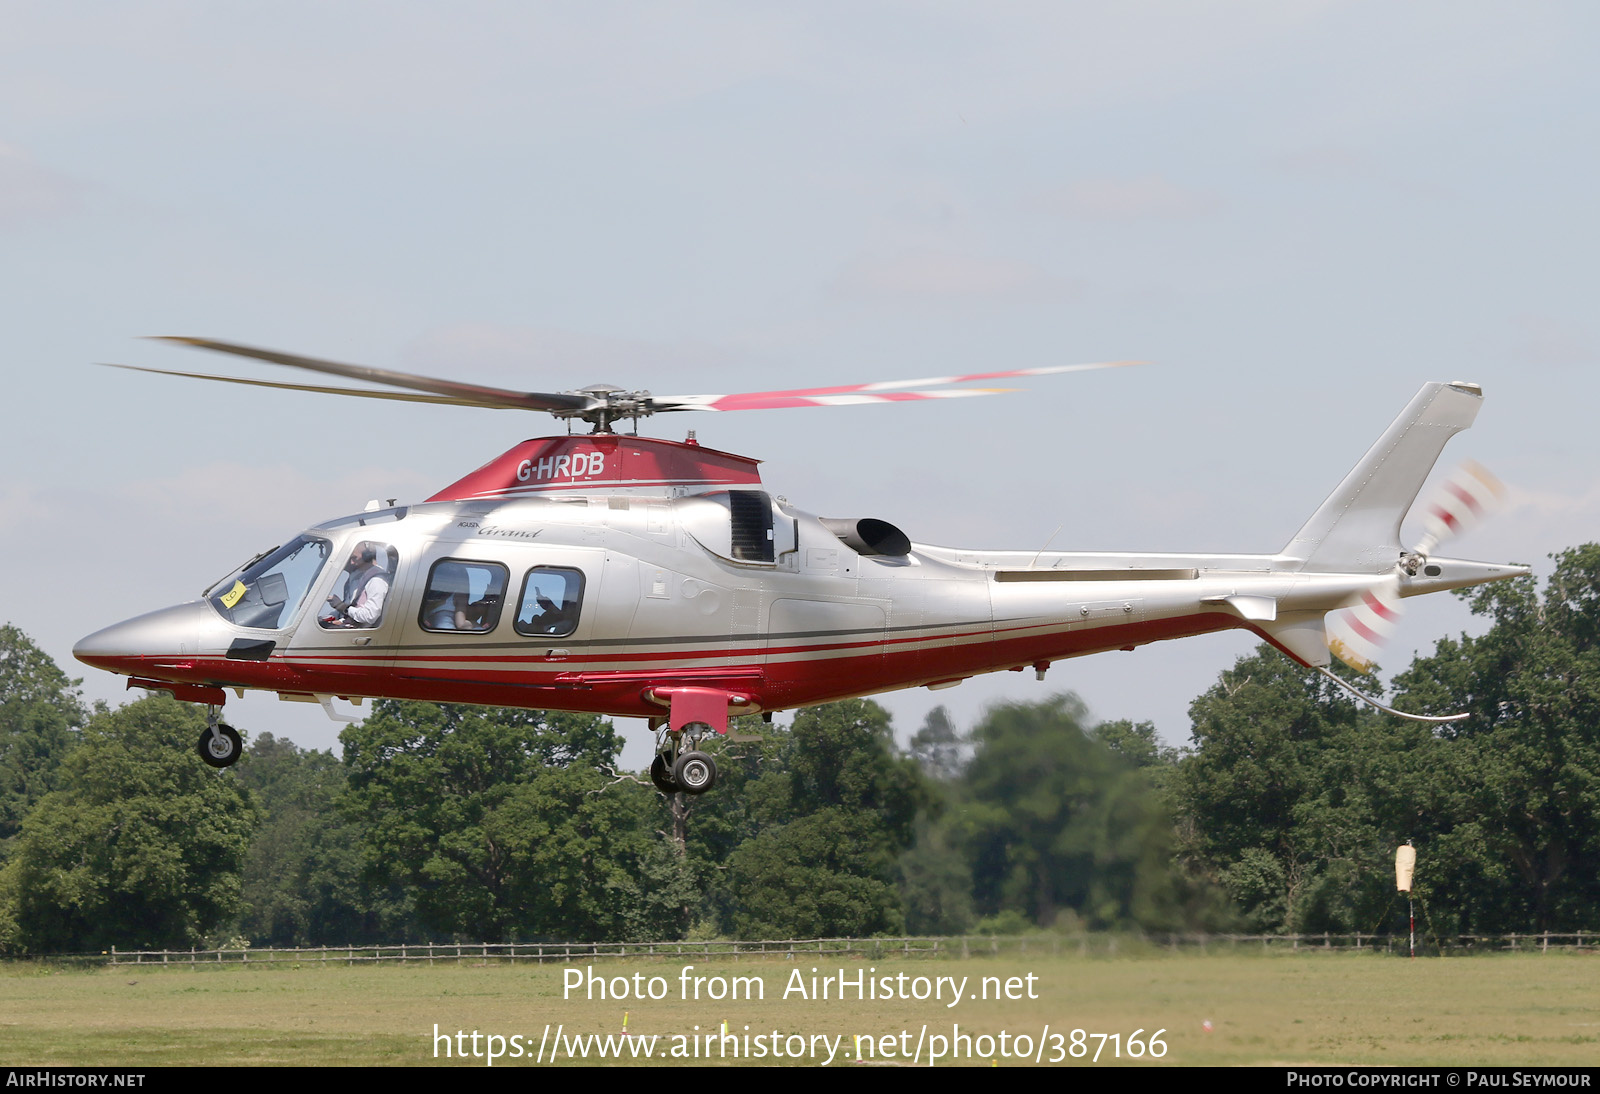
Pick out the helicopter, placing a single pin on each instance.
(633, 576)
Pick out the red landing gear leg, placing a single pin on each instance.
(692, 713)
(220, 745)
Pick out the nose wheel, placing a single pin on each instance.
(678, 768)
(220, 745)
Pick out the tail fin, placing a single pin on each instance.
(1358, 528)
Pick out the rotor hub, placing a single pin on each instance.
(608, 404)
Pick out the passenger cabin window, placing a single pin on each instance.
(551, 598)
(464, 595)
(360, 595)
(267, 591)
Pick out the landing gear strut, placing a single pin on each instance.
(678, 768)
(220, 745)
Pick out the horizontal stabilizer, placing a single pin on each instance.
(1252, 609)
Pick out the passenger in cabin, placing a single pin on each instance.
(446, 598)
(475, 616)
(553, 618)
(366, 588)
(448, 603)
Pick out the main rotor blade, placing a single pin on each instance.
(400, 396)
(778, 400)
(478, 394)
(885, 391)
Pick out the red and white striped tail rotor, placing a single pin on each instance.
(1461, 501)
(1357, 634)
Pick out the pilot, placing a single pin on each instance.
(365, 589)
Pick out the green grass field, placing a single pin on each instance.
(1282, 1008)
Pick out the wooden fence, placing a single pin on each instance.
(483, 953)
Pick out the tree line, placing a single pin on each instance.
(440, 822)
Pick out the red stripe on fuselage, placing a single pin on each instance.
(775, 685)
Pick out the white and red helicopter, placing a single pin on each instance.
(639, 577)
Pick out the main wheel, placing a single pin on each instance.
(222, 748)
(695, 772)
(661, 775)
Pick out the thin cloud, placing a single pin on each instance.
(550, 358)
(1342, 166)
(937, 275)
(24, 509)
(1535, 523)
(1549, 340)
(1328, 161)
(270, 499)
(30, 192)
(1151, 197)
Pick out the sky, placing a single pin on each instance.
(1298, 212)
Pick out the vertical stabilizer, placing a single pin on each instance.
(1357, 530)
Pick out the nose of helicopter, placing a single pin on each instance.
(124, 646)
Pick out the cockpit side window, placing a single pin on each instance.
(551, 599)
(361, 593)
(464, 595)
(267, 593)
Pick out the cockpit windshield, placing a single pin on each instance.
(267, 591)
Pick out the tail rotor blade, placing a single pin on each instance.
(1460, 502)
(1357, 634)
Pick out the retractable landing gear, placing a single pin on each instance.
(220, 745)
(661, 774)
(676, 768)
(694, 711)
(695, 771)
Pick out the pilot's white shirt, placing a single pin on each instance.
(368, 608)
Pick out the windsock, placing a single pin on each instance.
(1405, 862)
